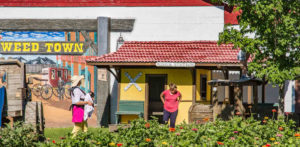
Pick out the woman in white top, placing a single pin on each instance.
(78, 103)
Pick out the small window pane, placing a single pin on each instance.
(59, 73)
(52, 74)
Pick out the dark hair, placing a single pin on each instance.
(92, 94)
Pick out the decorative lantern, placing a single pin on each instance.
(120, 41)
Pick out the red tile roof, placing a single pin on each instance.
(170, 51)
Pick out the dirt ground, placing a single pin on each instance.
(57, 114)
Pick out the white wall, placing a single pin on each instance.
(152, 23)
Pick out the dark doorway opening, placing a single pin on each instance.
(156, 85)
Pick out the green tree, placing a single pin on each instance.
(268, 33)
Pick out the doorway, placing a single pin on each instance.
(155, 85)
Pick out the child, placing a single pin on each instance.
(88, 110)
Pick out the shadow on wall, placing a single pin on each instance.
(114, 101)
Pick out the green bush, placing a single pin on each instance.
(20, 135)
(235, 132)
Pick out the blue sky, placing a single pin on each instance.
(31, 36)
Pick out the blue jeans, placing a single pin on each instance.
(170, 115)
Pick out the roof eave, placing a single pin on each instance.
(153, 64)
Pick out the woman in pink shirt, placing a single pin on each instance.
(170, 98)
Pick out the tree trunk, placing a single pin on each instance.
(281, 100)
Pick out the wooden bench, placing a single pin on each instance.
(130, 108)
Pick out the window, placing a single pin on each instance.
(203, 87)
(59, 73)
(53, 74)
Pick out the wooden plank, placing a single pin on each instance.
(15, 102)
(117, 25)
(14, 113)
(11, 62)
(14, 108)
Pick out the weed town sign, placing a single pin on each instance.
(17, 47)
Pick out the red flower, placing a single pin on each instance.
(195, 129)
(62, 138)
(181, 127)
(119, 144)
(172, 129)
(264, 121)
(53, 141)
(147, 125)
(297, 135)
(268, 145)
(274, 110)
(220, 143)
(280, 128)
(238, 113)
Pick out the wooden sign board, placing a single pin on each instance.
(174, 64)
(65, 48)
(102, 73)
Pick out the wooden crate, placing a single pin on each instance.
(198, 113)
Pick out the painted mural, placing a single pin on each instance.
(48, 76)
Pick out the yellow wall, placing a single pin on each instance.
(200, 72)
(181, 77)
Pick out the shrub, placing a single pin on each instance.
(20, 135)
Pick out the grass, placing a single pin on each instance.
(56, 133)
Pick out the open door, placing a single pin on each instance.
(156, 85)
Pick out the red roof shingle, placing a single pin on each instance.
(170, 51)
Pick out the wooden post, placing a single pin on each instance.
(249, 95)
(226, 76)
(255, 97)
(238, 98)
(194, 85)
(103, 110)
(215, 102)
(146, 103)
